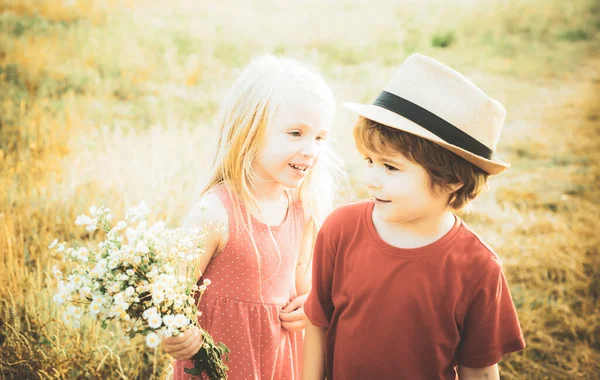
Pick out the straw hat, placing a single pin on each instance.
(428, 99)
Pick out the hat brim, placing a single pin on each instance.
(393, 120)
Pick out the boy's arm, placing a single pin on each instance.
(314, 353)
(486, 373)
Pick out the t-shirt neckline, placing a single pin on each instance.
(406, 252)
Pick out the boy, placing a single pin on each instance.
(402, 288)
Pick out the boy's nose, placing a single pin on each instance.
(373, 183)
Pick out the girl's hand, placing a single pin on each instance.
(292, 315)
(183, 347)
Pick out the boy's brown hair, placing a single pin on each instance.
(443, 167)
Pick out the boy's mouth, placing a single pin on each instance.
(299, 167)
(381, 200)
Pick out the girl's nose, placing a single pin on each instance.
(309, 149)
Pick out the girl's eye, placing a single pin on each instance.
(369, 161)
(295, 133)
(390, 167)
(321, 138)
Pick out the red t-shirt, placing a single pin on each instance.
(394, 313)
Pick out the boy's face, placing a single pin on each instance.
(402, 190)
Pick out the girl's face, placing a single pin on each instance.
(293, 142)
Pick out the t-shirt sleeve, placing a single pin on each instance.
(491, 326)
(319, 305)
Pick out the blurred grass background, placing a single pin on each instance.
(106, 101)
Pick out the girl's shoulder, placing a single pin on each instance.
(208, 208)
(209, 211)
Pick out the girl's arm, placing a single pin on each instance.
(314, 353)
(210, 212)
(303, 272)
(486, 373)
(303, 267)
(292, 315)
(187, 345)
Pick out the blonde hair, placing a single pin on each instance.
(262, 87)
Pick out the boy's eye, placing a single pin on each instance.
(390, 167)
(295, 133)
(369, 161)
(321, 138)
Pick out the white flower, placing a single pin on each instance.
(67, 318)
(146, 314)
(142, 247)
(56, 272)
(131, 234)
(75, 279)
(59, 298)
(61, 248)
(158, 298)
(152, 273)
(91, 228)
(85, 291)
(74, 311)
(95, 308)
(130, 291)
(93, 210)
(138, 213)
(152, 340)
(84, 220)
(120, 226)
(181, 320)
(154, 321)
(169, 321)
(113, 263)
(53, 244)
(76, 324)
(82, 254)
(114, 287)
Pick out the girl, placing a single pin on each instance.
(271, 185)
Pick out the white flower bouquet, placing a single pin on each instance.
(140, 276)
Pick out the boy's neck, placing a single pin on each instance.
(415, 233)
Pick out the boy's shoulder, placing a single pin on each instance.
(480, 253)
(346, 216)
(345, 219)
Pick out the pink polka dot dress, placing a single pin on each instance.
(241, 306)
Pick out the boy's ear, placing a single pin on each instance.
(454, 187)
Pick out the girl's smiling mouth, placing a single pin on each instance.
(299, 167)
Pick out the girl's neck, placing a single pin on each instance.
(272, 204)
(267, 192)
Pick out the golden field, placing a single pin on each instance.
(113, 102)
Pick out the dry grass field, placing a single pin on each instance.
(112, 102)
